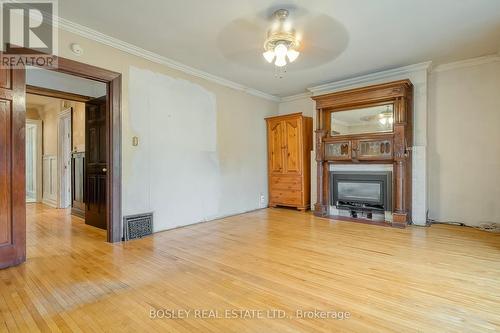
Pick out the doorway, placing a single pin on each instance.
(13, 147)
(33, 160)
(65, 144)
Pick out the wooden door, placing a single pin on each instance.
(96, 165)
(12, 168)
(276, 146)
(292, 138)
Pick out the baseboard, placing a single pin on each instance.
(219, 217)
(50, 203)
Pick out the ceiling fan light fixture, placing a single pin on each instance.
(281, 43)
(269, 56)
(280, 61)
(292, 55)
(280, 51)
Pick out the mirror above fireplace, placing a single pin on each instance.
(372, 119)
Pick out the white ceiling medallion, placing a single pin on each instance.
(282, 43)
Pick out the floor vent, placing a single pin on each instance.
(137, 226)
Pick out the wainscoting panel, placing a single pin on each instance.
(50, 180)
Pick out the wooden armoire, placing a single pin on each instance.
(289, 141)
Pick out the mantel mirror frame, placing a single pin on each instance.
(398, 141)
(330, 112)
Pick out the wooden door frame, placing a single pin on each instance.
(113, 81)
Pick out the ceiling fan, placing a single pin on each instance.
(284, 37)
(281, 42)
(385, 117)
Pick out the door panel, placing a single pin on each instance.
(5, 146)
(95, 162)
(275, 146)
(12, 168)
(293, 147)
(5, 81)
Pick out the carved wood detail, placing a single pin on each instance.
(393, 147)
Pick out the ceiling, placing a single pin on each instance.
(341, 38)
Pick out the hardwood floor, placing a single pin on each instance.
(442, 278)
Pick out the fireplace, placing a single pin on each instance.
(360, 128)
(361, 194)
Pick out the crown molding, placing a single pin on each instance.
(369, 78)
(295, 97)
(488, 59)
(97, 36)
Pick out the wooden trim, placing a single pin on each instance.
(363, 136)
(365, 95)
(113, 126)
(364, 104)
(114, 120)
(282, 116)
(56, 94)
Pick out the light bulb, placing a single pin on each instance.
(292, 55)
(280, 50)
(269, 56)
(382, 120)
(280, 61)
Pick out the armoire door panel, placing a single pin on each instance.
(275, 146)
(293, 145)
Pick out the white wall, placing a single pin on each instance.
(464, 144)
(241, 135)
(176, 121)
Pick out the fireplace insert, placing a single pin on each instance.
(361, 191)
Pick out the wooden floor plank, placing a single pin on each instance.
(400, 280)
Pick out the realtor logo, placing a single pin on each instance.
(29, 33)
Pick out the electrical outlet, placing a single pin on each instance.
(262, 201)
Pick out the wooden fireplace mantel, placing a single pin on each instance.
(397, 149)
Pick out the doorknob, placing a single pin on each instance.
(104, 169)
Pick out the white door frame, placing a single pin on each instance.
(38, 163)
(64, 173)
